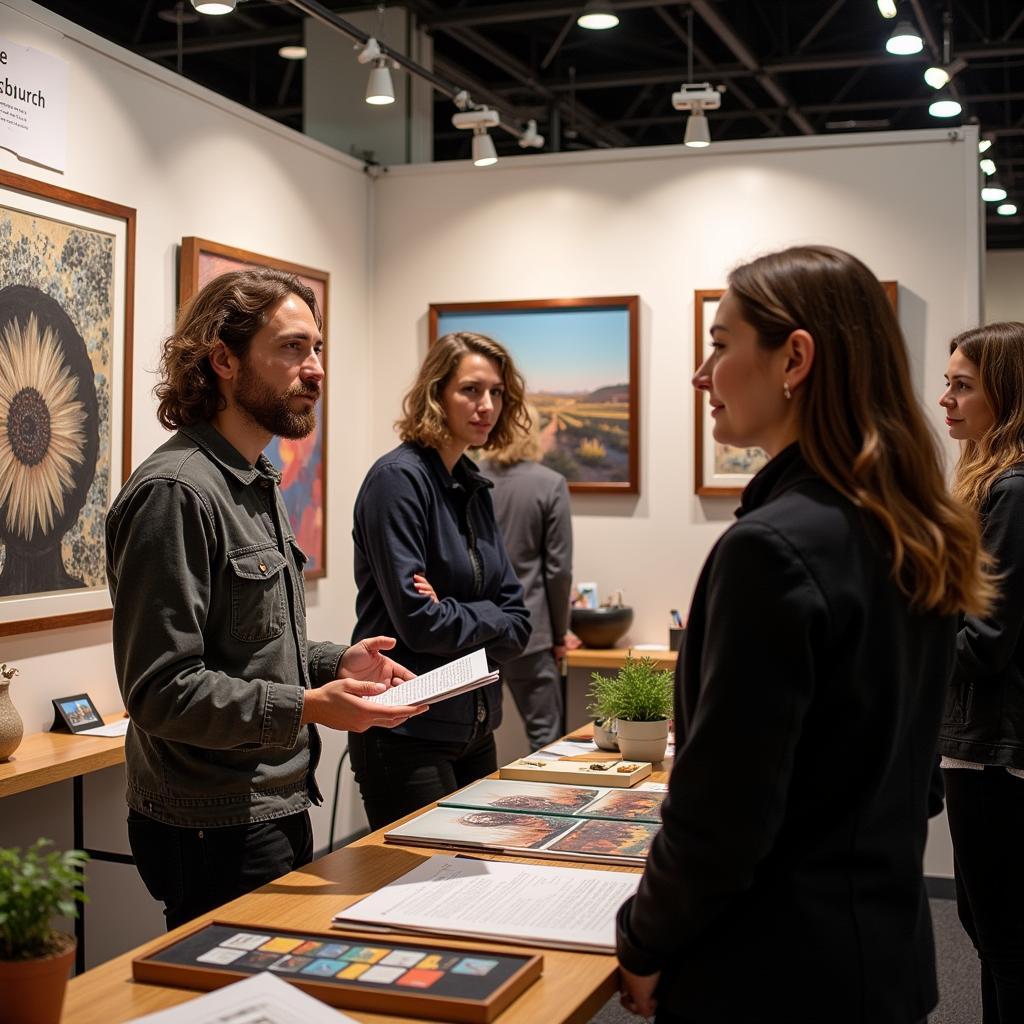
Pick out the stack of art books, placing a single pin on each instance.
(540, 820)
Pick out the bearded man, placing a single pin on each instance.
(223, 689)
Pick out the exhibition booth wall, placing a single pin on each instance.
(1004, 284)
(658, 224)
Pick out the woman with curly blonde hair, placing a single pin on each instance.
(982, 738)
(431, 562)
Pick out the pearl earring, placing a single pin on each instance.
(786, 391)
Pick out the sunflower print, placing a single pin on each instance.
(42, 428)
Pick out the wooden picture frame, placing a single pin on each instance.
(67, 289)
(553, 342)
(722, 471)
(456, 984)
(303, 463)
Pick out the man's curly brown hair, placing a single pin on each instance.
(231, 308)
(423, 416)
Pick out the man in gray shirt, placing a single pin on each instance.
(223, 688)
(531, 504)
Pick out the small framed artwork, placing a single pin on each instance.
(414, 978)
(580, 361)
(302, 463)
(66, 307)
(75, 714)
(722, 470)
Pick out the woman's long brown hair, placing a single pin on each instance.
(860, 425)
(997, 350)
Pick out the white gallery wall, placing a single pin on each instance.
(1004, 284)
(656, 223)
(190, 163)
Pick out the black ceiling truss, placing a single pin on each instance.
(792, 67)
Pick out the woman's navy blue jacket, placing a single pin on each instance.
(413, 516)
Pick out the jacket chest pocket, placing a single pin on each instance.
(258, 600)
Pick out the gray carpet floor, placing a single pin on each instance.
(959, 996)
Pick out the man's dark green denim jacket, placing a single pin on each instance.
(210, 640)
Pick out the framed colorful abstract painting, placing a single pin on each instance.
(66, 293)
(303, 463)
(722, 470)
(580, 361)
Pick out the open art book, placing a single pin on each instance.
(564, 908)
(459, 676)
(549, 798)
(529, 835)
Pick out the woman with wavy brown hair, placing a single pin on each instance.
(786, 882)
(982, 739)
(430, 560)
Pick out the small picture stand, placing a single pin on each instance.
(412, 978)
(75, 714)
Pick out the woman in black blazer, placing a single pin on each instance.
(982, 739)
(786, 882)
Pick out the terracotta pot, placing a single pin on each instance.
(604, 734)
(11, 727)
(642, 741)
(33, 990)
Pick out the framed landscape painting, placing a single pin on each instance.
(580, 359)
(66, 293)
(721, 470)
(303, 463)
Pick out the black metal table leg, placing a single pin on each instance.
(78, 842)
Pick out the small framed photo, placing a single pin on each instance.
(75, 714)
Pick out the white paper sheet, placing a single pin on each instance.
(118, 728)
(261, 999)
(459, 676)
(567, 748)
(567, 908)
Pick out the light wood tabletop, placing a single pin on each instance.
(615, 657)
(573, 987)
(46, 757)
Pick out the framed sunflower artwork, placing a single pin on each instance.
(301, 463)
(66, 293)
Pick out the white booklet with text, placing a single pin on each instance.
(459, 676)
(526, 904)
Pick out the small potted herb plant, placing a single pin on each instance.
(638, 698)
(35, 959)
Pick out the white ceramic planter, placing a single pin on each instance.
(642, 741)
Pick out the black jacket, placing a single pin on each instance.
(413, 516)
(984, 720)
(786, 882)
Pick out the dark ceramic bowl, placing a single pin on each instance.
(600, 627)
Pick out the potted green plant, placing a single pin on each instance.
(35, 959)
(638, 698)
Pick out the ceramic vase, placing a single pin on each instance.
(604, 734)
(642, 741)
(11, 726)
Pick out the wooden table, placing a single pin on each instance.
(46, 757)
(573, 988)
(615, 657)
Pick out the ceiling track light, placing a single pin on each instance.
(380, 90)
(293, 52)
(531, 138)
(944, 105)
(214, 6)
(887, 8)
(696, 98)
(905, 39)
(939, 75)
(984, 145)
(988, 166)
(993, 192)
(1006, 209)
(478, 119)
(597, 16)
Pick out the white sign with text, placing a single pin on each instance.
(33, 104)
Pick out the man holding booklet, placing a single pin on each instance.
(223, 688)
